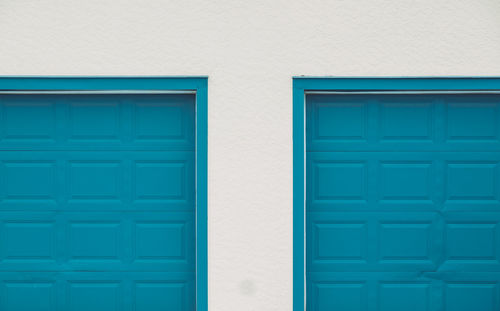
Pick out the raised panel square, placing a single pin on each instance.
(160, 180)
(29, 296)
(29, 120)
(406, 121)
(472, 181)
(473, 121)
(159, 296)
(405, 181)
(341, 121)
(340, 241)
(160, 241)
(404, 296)
(29, 180)
(91, 121)
(94, 180)
(159, 121)
(91, 241)
(471, 241)
(29, 240)
(340, 296)
(404, 241)
(471, 296)
(83, 295)
(340, 181)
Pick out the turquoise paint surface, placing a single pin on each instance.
(103, 197)
(401, 197)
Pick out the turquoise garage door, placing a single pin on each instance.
(97, 202)
(402, 202)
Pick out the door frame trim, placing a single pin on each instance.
(353, 85)
(143, 85)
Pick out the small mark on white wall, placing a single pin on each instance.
(248, 287)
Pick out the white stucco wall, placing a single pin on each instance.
(250, 50)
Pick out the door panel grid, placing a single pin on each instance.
(402, 202)
(97, 202)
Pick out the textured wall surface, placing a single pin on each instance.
(250, 50)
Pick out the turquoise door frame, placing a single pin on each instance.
(304, 85)
(145, 85)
